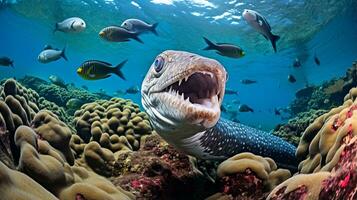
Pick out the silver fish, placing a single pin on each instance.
(139, 26)
(260, 24)
(50, 54)
(71, 25)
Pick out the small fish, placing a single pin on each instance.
(230, 91)
(118, 34)
(260, 24)
(276, 111)
(6, 61)
(102, 91)
(71, 25)
(317, 60)
(49, 54)
(85, 87)
(95, 70)
(296, 63)
(74, 103)
(132, 90)
(291, 78)
(139, 26)
(248, 81)
(225, 49)
(57, 81)
(245, 108)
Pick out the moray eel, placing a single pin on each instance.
(182, 93)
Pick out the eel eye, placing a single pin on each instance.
(159, 64)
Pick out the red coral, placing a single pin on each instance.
(342, 184)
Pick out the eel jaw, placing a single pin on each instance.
(194, 97)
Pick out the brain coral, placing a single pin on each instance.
(106, 121)
(248, 176)
(322, 142)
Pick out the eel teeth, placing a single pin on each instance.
(186, 78)
(180, 81)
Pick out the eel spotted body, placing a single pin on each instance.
(182, 93)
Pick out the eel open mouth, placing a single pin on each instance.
(199, 89)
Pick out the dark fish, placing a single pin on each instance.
(229, 91)
(297, 63)
(139, 26)
(118, 34)
(245, 108)
(95, 70)
(276, 111)
(247, 81)
(6, 61)
(260, 24)
(132, 90)
(291, 78)
(317, 60)
(225, 49)
(57, 81)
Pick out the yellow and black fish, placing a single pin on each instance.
(95, 70)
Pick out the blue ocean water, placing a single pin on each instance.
(327, 28)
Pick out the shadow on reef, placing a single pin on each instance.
(113, 153)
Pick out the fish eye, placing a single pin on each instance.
(159, 64)
(82, 23)
(227, 76)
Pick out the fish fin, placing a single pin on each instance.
(153, 28)
(63, 54)
(106, 63)
(274, 39)
(266, 37)
(210, 44)
(56, 28)
(47, 46)
(117, 69)
(73, 24)
(135, 37)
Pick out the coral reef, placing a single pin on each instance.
(248, 176)
(327, 96)
(106, 121)
(59, 95)
(293, 129)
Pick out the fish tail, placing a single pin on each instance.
(273, 40)
(63, 54)
(210, 44)
(136, 37)
(117, 69)
(153, 28)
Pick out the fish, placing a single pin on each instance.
(132, 90)
(49, 54)
(85, 87)
(74, 103)
(139, 26)
(57, 81)
(245, 108)
(291, 78)
(276, 111)
(230, 91)
(260, 24)
(118, 34)
(95, 70)
(317, 60)
(296, 63)
(6, 61)
(225, 49)
(70, 25)
(248, 81)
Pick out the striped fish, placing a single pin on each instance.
(95, 70)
